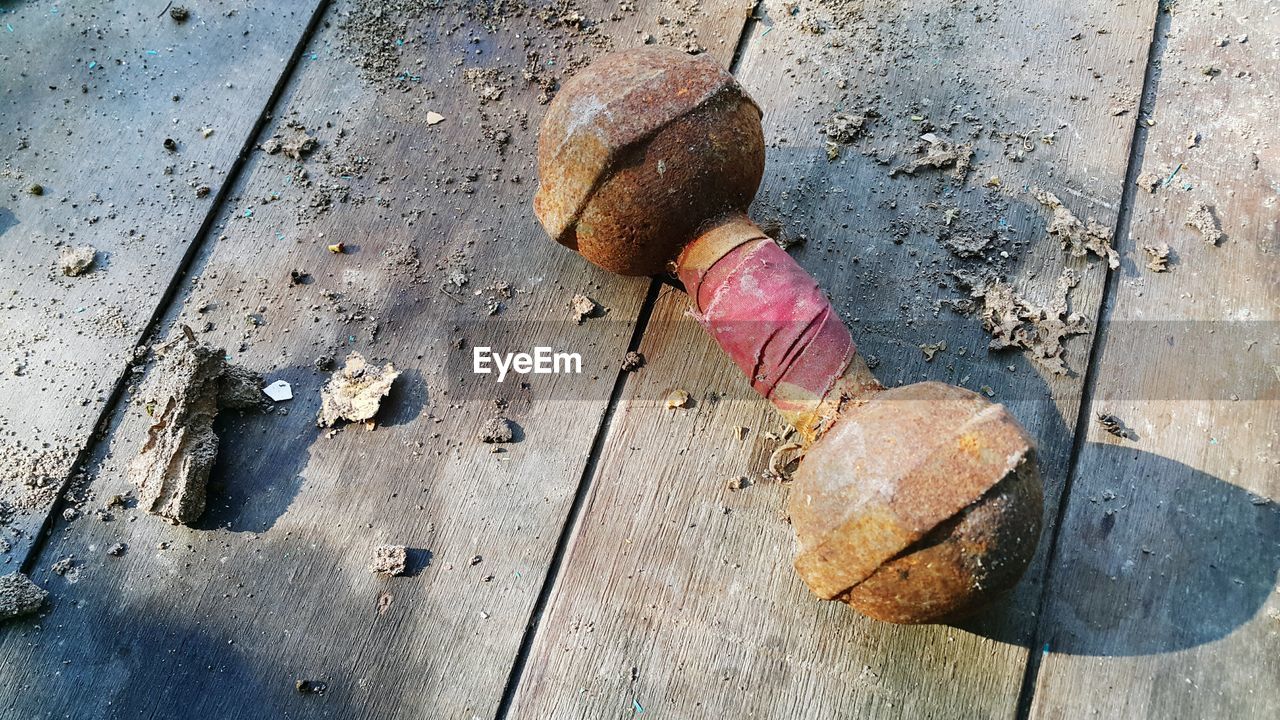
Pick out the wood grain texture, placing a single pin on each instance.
(1162, 600)
(89, 91)
(677, 594)
(272, 586)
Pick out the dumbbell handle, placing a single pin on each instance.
(775, 322)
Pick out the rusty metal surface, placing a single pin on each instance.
(637, 141)
(913, 504)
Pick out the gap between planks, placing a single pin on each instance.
(573, 520)
(1124, 216)
(167, 298)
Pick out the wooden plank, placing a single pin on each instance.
(90, 92)
(677, 593)
(1162, 598)
(272, 586)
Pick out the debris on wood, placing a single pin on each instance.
(311, 687)
(1015, 322)
(938, 153)
(497, 430)
(1202, 219)
(783, 460)
(583, 307)
(932, 349)
(355, 391)
(76, 260)
(117, 550)
(36, 189)
(19, 596)
(842, 129)
(434, 118)
(64, 567)
(967, 246)
(179, 13)
(1149, 181)
(678, 399)
(337, 248)
(1113, 425)
(1157, 257)
(632, 361)
(739, 483)
(297, 145)
(1077, 237)
(186, 389)
(279, 391)
(389, 560)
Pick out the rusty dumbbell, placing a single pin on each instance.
(911, 504)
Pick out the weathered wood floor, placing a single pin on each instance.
(601, 566)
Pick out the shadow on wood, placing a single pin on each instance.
(1204, 567)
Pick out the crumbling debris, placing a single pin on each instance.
(189, 384)
(389, 560)
(932, 349)
(678, 399)
(1149, 181)
(497, 430)
(939, 153)
(967, 245)
(311, 687)
(1157, 257)
(64, 567)
(355, 391)
(1113, 425)
(76, 260)
(1202, 219)
(1015, 322)
(1077, 237)
(783, 461)
(19, 596)
(297, 145)
(117, 550)
(845, 127)
(632, 361)
(583, 307)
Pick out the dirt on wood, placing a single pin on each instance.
(390, 560)
(187, 387)
(355, 392)
(1015, 322)
(1078, 238)
(76, 260)
(1202, 219)
(19, 596)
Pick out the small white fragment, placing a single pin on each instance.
(434, 117)
(279, 391)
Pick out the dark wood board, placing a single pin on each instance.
(89, 92)
(272, 586)
(677, 594)
(1162, 597)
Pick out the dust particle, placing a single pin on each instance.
(76, 260)
(1157, 257)
(678, 399)
(583, 307)
(1202, 218)
(389, 560)
(497, 430)
(632, 362)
